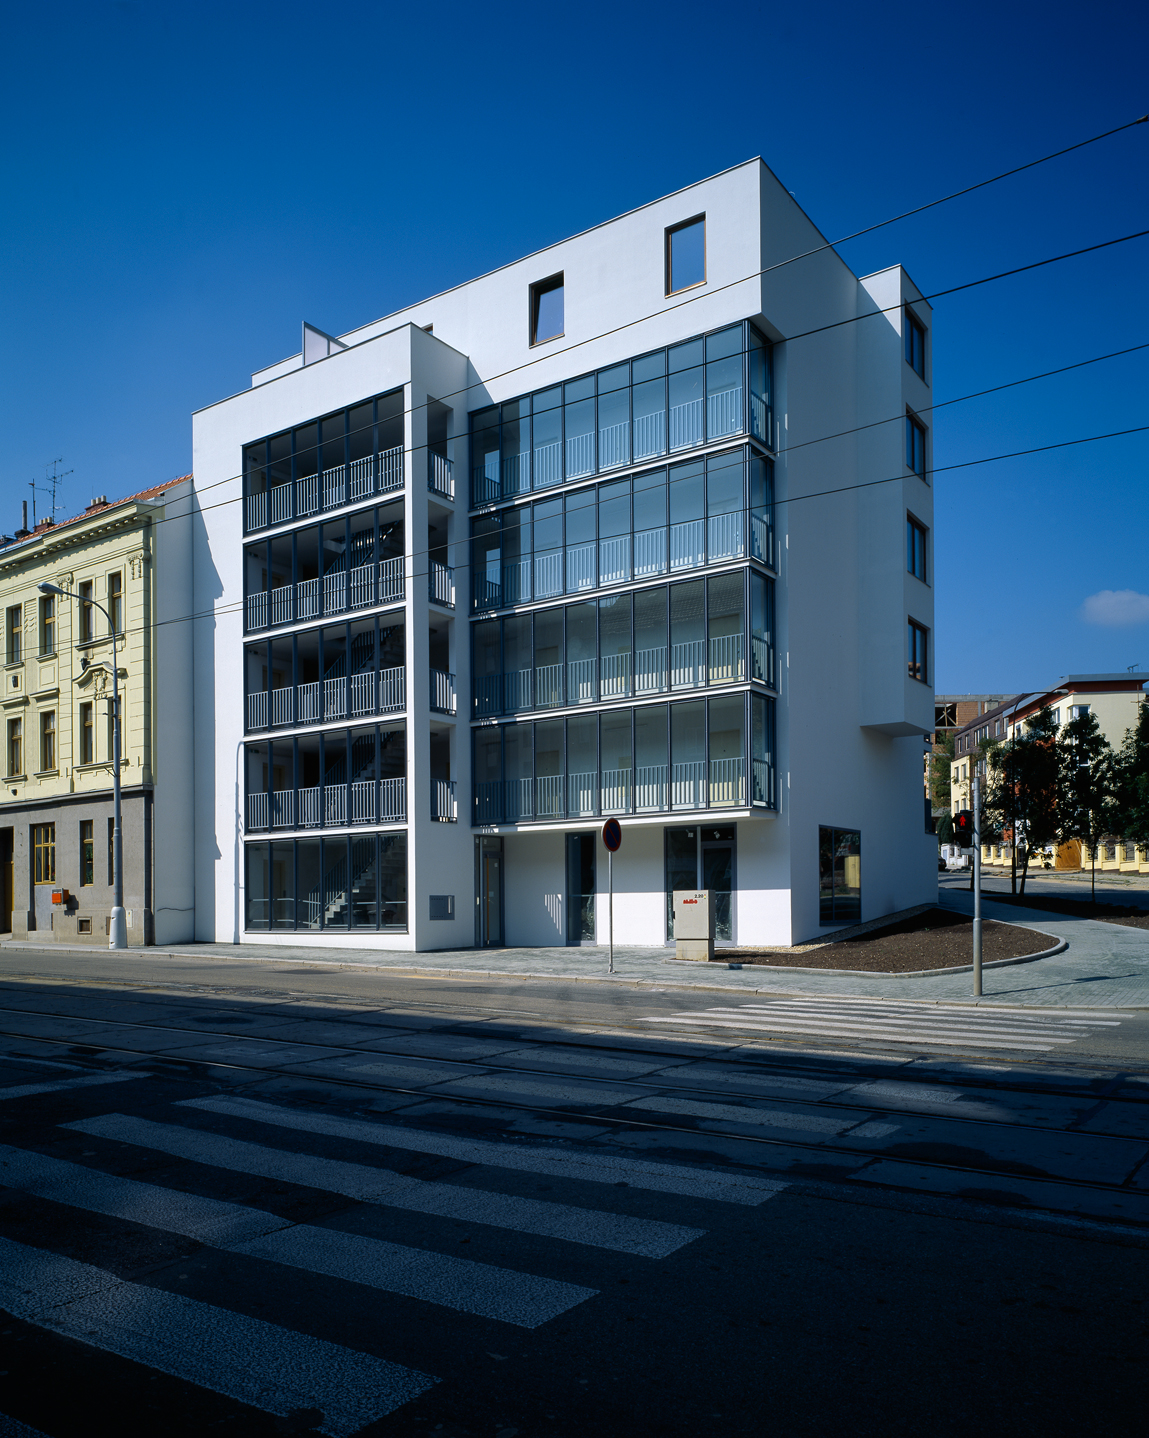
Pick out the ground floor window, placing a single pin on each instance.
(839, 876)
(580, 888)
(355, 882)
(87, 853)
(702, 856)
(44, 853)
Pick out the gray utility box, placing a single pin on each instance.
(693, 925)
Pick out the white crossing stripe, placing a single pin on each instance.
(763, 1117)
(892, 1021)
(458, 1283)
(646, 1237)
(605, 1168)
(246, 1359)
(25, 1090)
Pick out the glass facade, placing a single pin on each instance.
(686, 516)
(706, 631)
(338, 671)
(715, 752)
(324, 464)
(691, 394)
(344, 882)
(328, 778)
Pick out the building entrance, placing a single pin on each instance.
(703, 857)
(7, 880)
(580, 888)
(490, 879)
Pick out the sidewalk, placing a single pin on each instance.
(1105, 966)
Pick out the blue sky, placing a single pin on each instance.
(185, 184)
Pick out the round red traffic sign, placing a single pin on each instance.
(612, 835)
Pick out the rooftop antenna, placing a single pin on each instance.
(1133, 668)
(50, 486)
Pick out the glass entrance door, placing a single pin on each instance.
(718, 876)
(491, 892)
(580, 888)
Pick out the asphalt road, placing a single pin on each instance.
(260, 1199)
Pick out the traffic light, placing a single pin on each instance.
(963, 828)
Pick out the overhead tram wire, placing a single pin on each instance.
(236, 606)
(804, 334)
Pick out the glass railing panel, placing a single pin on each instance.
(548, 574)
(686, 424)
(724, 537)
(727, 781)
(580, 456)
(614, 445)
(649, 552)
(649, 435)
(686, 544)
(614, 676)
(580, 681)
(724, 413)
(727, 661)
(650, 787)
(688, 665)
(689, 786)
(615, 791)
(582, 792)
(580, 568)
(548, 686)
(614, 560)
(548, 465)
(650, 670)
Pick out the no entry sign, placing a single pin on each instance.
(612, 835)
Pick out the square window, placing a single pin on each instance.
(915, 344)
(547, 319)
(916, 548)
(686, 255)
(915, 446)
(918, 652)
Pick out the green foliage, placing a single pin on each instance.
(1131, 782)
(1085, 775)
(945, 829)
(1022, 792)
(940, 794)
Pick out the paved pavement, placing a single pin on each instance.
(1104, 966)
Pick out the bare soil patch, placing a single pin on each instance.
(934, 939)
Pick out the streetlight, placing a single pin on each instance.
(118, 929)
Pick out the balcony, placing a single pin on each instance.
(363, 801)
(440, 475)
(441, 584)
(444, 803)
(442, 692)
(339, 697)
(337, 592)
(380, 473)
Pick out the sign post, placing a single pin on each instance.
(612, 838)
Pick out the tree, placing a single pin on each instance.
(940, 762)
(1023, 793)
(1131, 782)
(1085, 784)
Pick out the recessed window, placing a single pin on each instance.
(686, 255)
(87, 733)
(48, 739)
(87, 854)
(915, 446)
(87, 634)
(915, 344)
(15, 636)
(47, 626)
(44, 853)
(915, 548)
(15, 746)
(116, 602)
(919, 652)
(547, 310)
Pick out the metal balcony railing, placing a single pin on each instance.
(441, 584)
(335, 593)
(380, 473)
(442, 691)
(332, 698)
(444, 804)
(440, 475)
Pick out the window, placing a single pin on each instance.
(915, 446)
(87, 853)
(916, 548)
(87, 734)
(1078, 711)
(839, 876)
(86, 632)
(48, 739)
(44, 853)
(919, 652)
(48, 625)
(547, 310)
(1056, 713)
(15, 746)
(116, 602)
(915, 344)
(15, 633)
(686, 255)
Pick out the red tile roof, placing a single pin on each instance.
(46, 526)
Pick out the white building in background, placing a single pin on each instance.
(639, 525)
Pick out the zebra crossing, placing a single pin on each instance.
(947, 1026)
(276, 1368)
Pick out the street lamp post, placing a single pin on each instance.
(118, 929)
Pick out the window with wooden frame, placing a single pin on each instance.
(919, 651)
(14, 634)
(87, 853)
(686, 255)
(47, 625)
(116, 602)
(15, 747)
(43, 853)
(87, 633)
(87, 733)
(47, 739)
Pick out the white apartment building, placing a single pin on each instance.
(639, 525)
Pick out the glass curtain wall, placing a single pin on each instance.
(700, 754)
(693, 393)
(326, 779)
(334, 672)
(338, 883)
(629, 529)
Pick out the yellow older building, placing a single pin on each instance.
(128, 566)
